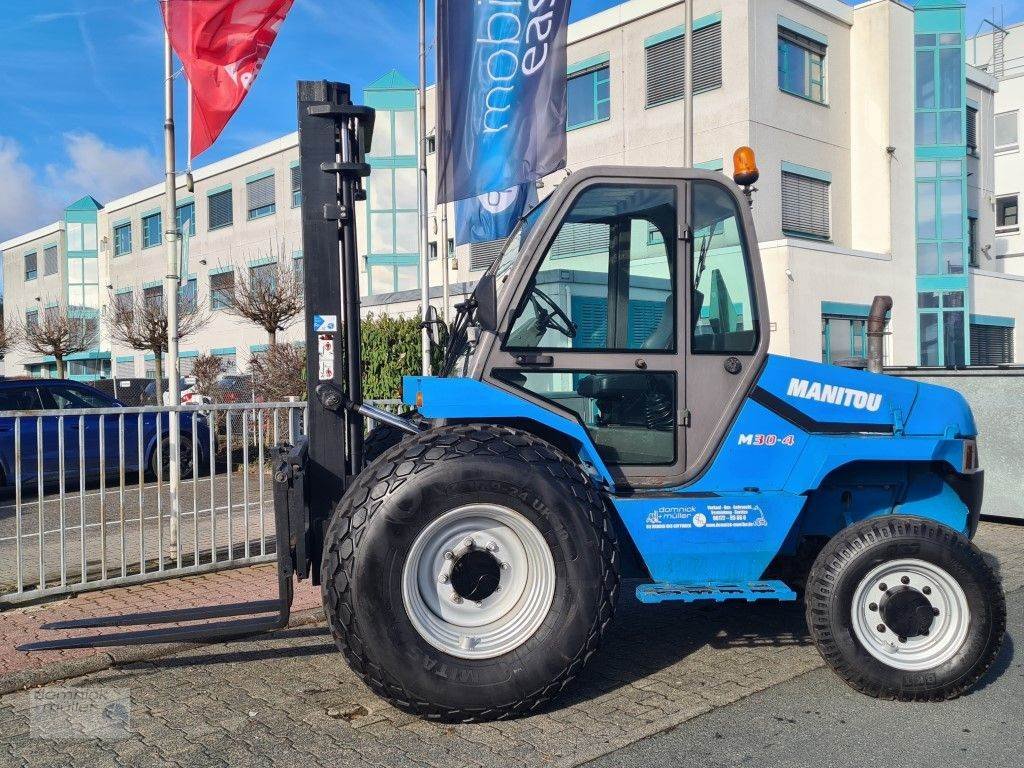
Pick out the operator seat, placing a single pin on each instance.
(662, 336)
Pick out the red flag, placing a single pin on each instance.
(222, 44)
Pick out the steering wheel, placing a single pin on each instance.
(550, 315)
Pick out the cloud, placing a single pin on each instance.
(101, 170)
(29, 199)
(24, 204)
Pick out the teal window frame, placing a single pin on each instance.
(394, 263)
(944, 308)
(828, 355)
(180, 220)
(147, 233)
(31, 273)
(261, 211)
(227, 190)
(935, 181)
(813, 56)
(601, 107)
(122, 248)
(217, 300)
(391, 210)
(932, 118)
(295, 177)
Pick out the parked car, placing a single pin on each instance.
(230, 388)
(39, 402)
(186, 386)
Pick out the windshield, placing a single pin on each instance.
(502, 266)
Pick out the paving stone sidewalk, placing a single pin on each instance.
(22, 625)
(288, 698)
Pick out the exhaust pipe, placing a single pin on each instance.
(876, 332)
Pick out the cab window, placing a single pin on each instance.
(19, 399)
(65, 398)
(724, 319)
(607, 280)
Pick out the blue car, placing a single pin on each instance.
(83, 434)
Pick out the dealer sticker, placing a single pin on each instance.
(325, 323)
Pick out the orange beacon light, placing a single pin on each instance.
(745, 172)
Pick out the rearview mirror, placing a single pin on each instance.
(486, 295)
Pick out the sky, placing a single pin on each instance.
(81, 105)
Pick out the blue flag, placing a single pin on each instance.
(492, 215)
(501, 94)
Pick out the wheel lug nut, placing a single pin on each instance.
(883, 587)
(505, 566)
(927, 590)
(905, 580)
(873, 607)
(479, 604)
(903, 639)
(449, 555)
(935, 611)
(468, 543)
(443, 579)
(492, 547)
(881, 627)
(456, 599)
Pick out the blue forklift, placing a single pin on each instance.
(606, 408)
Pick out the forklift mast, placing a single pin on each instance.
(334, 136)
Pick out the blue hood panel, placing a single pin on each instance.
(829, 395)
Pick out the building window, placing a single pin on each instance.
(482, 255)
(124, 300)
(801, 65)
(51, 260)
(299, 272)
(941, 329)
(189, 293)
(260, 197)
(806, 206)
(263, 275)
(991, 344)
(843, 338)
(589, 97)
(394, 134)
(431, 144)
(153, 295)
(31, 266)
(1005, 134)
(1007, 218)
(392, 198)
(81, 236)
(151, 230)
(666, 65)
(432, 251)
(296, 178)
(972, 131)
(941, 217)
(220, 209)
(972, 241)
(222, 285)
(939, 89)
(32, 318)
(125, 367)
(186, 219)
(122, 239)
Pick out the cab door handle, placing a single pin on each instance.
(535, 360)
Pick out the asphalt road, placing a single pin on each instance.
(815, 720)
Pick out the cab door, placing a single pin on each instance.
(592, 326)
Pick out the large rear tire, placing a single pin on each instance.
(383, 436)
(905, 608)
(470, 573)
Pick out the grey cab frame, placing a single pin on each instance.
(710, 386)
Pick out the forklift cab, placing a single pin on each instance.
(631, 299)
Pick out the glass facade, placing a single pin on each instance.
(942, 225)
(588, 96)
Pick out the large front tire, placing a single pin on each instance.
(904, 608)
(470, 573)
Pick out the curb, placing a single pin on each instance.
(68, 669)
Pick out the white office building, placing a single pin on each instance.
(874, 136)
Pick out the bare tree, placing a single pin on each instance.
(206, 370)
(59, 331)
(279, 373)
(140, 322)
(271, 297)
(10, 333)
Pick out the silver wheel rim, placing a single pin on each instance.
(503, 620)
(943, 638)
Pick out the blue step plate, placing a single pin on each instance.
(720, 592)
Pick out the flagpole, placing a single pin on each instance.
(424, 219)
(171, 289)
(443, 249)
(688, 87)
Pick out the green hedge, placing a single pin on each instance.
(391, 350)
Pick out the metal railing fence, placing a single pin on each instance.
(86, 498)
